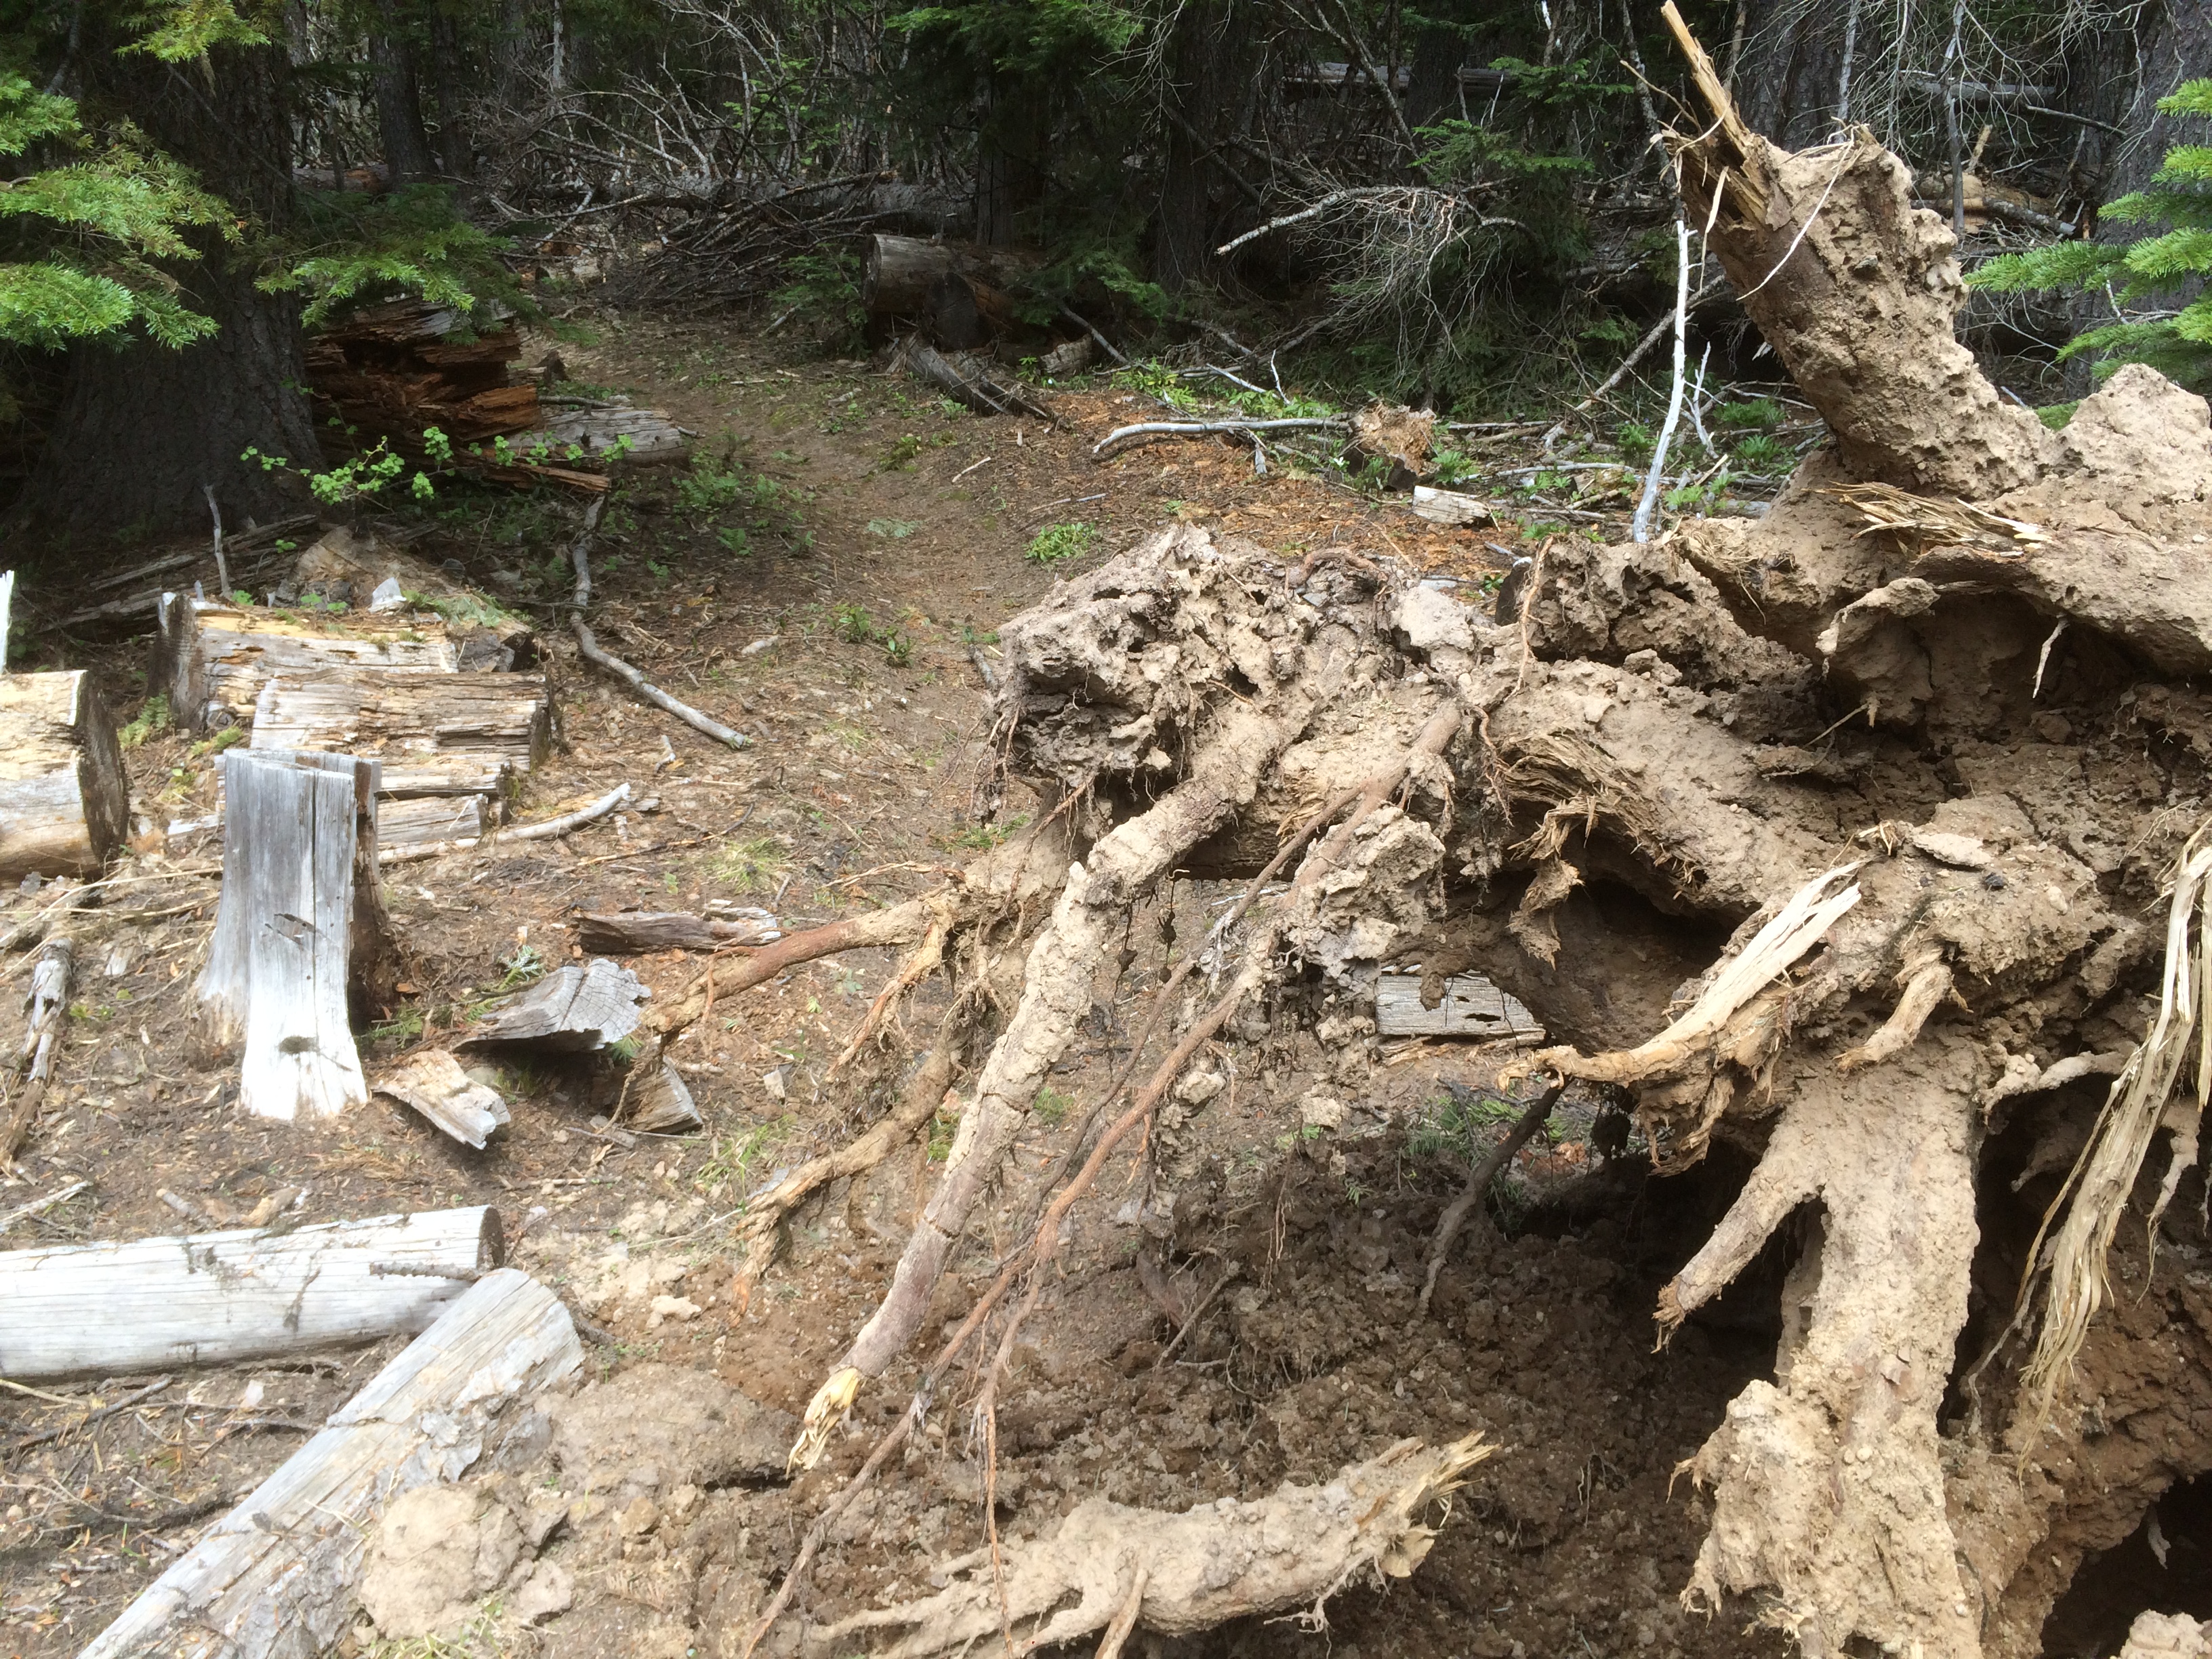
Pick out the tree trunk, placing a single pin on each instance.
(1792, 61)
(214, 660)
(1203, 52)
(456, 155)
(155, 426)
(275, 1579)
(1009, 158)
(64, 802)
(127, 1308)
(398, 98)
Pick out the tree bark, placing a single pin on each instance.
(1792, 63)
(456, 155)
(1009, 158)
(1204, 54)
(154, 426)
(398, 98)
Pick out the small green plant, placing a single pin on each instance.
(982, 838)
(365, 478)
(900, 456)
(215, 745)
(853, 624)
(734, 1161)
(1763, 454)
(1636, 439)
(896, 530)
(404, 1027)
(524, 966)
(707, 488)
(898, 649)
(1450, 467)
(657, 570)
(1056, 543)
(1751, 415)
(755, 865)
(151, 720)
(1051, 1106)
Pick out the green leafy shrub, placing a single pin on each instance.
(1062, 541)
(2164, 263)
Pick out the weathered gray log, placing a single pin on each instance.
(301, 920)
(970, 380)
(641, 932)
(572, 1010)
(1472, 1007)
(275, 1579)
(598, 426)
(432, 1081)
(905, 276)
(65, 802)
(47, 1001)
(118, 1309)
(424, 820)
(213, 659)
(436, 734)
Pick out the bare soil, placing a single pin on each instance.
(1268, 1332)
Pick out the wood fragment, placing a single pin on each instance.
(643, 932)
(65, 800)
(1449, 507)
(38, 1207)
(130, 1307)
(432, 1081)
(274, 1579)
(572, 1010)
(660, 1103)
(1471, 1008)
(47, 1000)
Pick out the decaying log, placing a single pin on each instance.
(971, 380)
(300, 923)
(274, 1579)
(65, 802)
(1189, 1572)
(1471, 1008)
(250, 554)
(598, 426)
(435, 734)
(572, 1010)
(123, 1309)
(1394, 438)
(955, 289)
(432, 1081)
(213, 659)
(404, 826)
(47, 1001)
(641, 933)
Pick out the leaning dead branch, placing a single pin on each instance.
(544, 829)
(1150, 429)
(47, 1001)
(580, 555)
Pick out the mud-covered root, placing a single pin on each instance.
(1191, 1572)
(1829, 1485)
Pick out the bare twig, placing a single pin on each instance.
(1478, 1184)
(1641, 528)
(1197, 429)
(545, 830)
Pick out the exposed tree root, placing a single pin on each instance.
(1184, 1573)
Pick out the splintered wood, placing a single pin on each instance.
(433, 1084)
(443, 734)
(1471, 1008)
(572, 1010)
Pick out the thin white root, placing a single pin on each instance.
(1179, 1574)
(544, 831)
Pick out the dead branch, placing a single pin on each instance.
(544, 829)
(652, 694)
(1199, 428)
(48, 1002)
(1478, 1184)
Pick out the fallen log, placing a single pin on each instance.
(47, 1001)
(432, 1082)
(436, 734)
(128, 1308)
(971, 380)
(65, 802)
(641, 933)
(1449, 507)
(1185, 1573)
(572, 1010)
(1471, 1006)
(212, 659)
(956, 289)
(544, 831)
(300, 922)
(1201, 429)
(275, 1579)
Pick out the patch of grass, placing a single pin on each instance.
(1461, 1122)
(1051, 1106)
(982, 838)
(941, 1129)
(1057, 541)
(734, 1161)
(226, 738)
(1751, 415)
(2055, 415)
(755, 865)
(900, 454)
(896, 530)
(151, 720)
